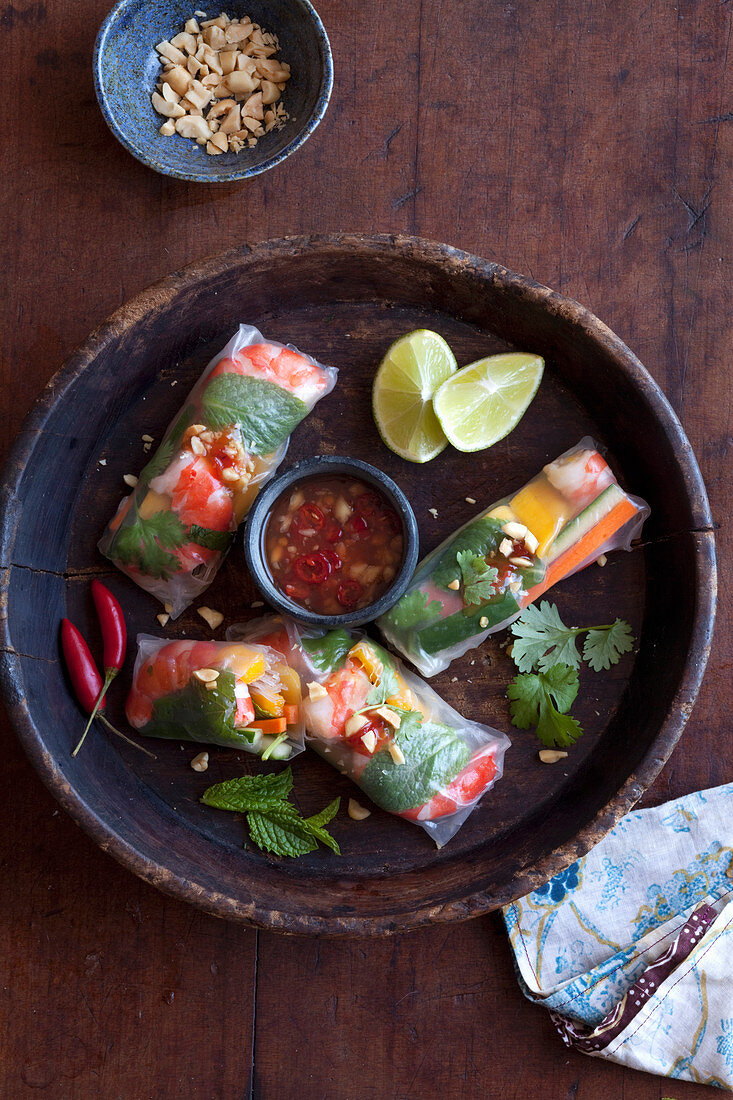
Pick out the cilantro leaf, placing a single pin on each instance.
(604, 646)
(265, 413)
(145, 544)
(249, 791)
(380, 693)
(480, 537)
(415, 608)
(328, 651)
(531, 698)
(543, 639)
(434, 756)
(478, 577)
(275, 825)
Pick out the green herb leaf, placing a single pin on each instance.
(145, 544)
(197, 714)
(212, 540)
(434, 756)
(328, 651)
(531, 698)
(477, 576)
(387, 686)
(604, 646)
(415, 608)
(275, 825)
(543, 640)
(480, 537)
(250, 792)
(265, 413)
(166, 452)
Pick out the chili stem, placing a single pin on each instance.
(129, 740)
(109, 675)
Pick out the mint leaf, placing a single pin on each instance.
(212, 540)
(249, 791)
(197, 714)
(328, 651)
(145, 544)
(480, 537)
(265, 413)
(531, 698)
(275, 825)
(434, 756)
(415, 608)
(604, 645)
(542, 639)
(477, 576)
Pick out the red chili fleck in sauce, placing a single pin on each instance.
(333, 544)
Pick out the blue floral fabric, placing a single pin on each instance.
(586, 942)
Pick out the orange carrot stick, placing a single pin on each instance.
(269, 725)
(582, 549)
(290, 713)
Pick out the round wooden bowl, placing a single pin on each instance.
(344, 299)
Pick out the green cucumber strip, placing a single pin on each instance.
(458, 627)
(574, 530)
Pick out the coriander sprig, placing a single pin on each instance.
(275, 825)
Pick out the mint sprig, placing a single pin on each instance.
(275, 825)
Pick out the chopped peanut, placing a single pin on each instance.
(356, 811)
(216, 62)
(213, 618)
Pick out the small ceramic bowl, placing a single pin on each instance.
(329, 466)
(126, 68)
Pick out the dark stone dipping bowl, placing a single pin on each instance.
(329, 466)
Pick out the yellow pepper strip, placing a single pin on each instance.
(244, 661)
(543, 510)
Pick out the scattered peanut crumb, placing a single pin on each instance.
(454, 584)
(601, 560)
(551, 756)
(356, 811)
(257, 603)
(396, 752)
(163, 619)
(201, 762)
(168, 607)
(229, 68)
(147, 438)
(130, 479)
(470, 500)
(454, 679)
(207, 675)
(211, 617)
(483, 622)
(433, 512)
(316, 691)
(103, 462)
(369, 741)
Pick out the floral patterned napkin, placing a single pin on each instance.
(631, 947)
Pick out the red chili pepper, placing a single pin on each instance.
(332, 558)
(367, 504)
(334, 533)
(312, 568)
(308, 517)
(86, 681)
(348, 593)
(114, 637)
(359, 527)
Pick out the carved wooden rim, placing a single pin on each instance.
(475, 903)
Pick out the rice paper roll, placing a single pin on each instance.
(234, 694)
(482, 577)
(386, 729)
(171, 534)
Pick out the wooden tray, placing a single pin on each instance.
(344, 299)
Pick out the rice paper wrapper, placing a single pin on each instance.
(168, 700)
(571, 513)
(172, 533)
(386, 729)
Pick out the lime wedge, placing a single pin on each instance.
(404, 385)
(484, 401)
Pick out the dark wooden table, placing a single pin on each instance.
(586, 145)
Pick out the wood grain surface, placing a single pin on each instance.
(587, 146)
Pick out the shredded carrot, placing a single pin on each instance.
(582, 549)
(291, 712)
(269, 725)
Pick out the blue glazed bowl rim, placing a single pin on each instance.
(300, 471)
(139, 152)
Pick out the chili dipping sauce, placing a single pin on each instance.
(333, 544)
